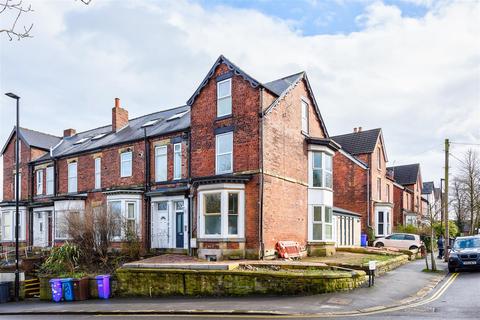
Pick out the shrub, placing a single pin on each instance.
(409, 228)
(62, 259)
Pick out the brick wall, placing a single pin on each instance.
(350, 186)
(245, 108)
(285, 207)
(398, 205)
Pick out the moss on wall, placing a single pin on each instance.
(135, 282)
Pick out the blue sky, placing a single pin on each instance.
(313, 17)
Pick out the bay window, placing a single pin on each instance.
(161, 163)
(224, 98)
(72, 177)
(7, 222)
(177, 161)
(39, 182)
(222, 212)
(124, 212)
(321, 218)
(321, 172)
(383, 223)
(224, 153)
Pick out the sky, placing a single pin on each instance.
(411, 67)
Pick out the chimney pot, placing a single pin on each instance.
(359, 129)
(117, 102)
(355, 130)
(69, 132)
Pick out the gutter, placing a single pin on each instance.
(190, 195)
(147, 188)
(369, 225)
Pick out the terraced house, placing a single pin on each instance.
(241, 166)
(408, 195)
(362, 182)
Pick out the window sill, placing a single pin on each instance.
(321, 188)
(224, 117)
(220, 239)
(306, 134)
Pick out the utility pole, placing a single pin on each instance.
(445, 199)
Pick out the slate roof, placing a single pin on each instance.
(280, 85)
(357, 143)
(406, 174)
(34, 139)
(428, 187)
(134, 131)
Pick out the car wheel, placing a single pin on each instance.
(413, 248)
(379, 244)
(451, 269)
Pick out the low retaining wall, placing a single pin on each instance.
(135, 282)
(382, 266)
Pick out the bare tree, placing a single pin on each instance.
(17, 8)
(470, 186)
(458, 203)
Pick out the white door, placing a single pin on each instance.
(160, 225)
(40, 229)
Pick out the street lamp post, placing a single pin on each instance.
(17, 151)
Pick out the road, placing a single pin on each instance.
(459, 300)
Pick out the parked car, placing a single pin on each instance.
(399, 240)
(465, 254)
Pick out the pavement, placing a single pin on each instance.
(401, 286)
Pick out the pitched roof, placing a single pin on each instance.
(428, 187)
(236, 70)
(280, 85)
(34, 138)
(94, 138)
(361, 142)
(406, 174)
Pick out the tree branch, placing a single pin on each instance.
(19, 9)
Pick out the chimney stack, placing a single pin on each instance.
(69, 132)
(359, 129)
(355, 130)
(119, 116)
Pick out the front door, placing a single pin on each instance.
(160, 225)
(179, 232)
(40, 229)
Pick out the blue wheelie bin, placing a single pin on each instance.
(4, 292)
(67, 288)
(103, 286)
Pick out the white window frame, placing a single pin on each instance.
(125, 200)
(228, 96)
(98, 173)
(387, 222)
(323, 222)
(304, 113)
(126, 164)
(323, 169)
(49, 177)
(19, 186)
(161, 174)
(217, 154)
(72, 177)
(224, 190)
(11, 219)
(39, 175)
(177, 156)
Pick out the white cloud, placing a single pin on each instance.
(418, 79)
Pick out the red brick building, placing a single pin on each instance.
(408, 208)
(362, 182)
(242, 166)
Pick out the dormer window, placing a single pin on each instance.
(224, 98)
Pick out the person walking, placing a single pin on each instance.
(440, 244)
